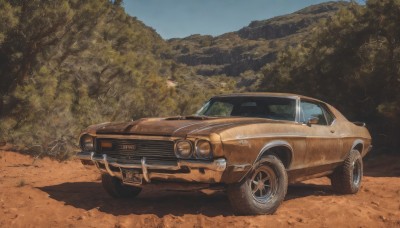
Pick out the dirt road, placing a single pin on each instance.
(53, 194)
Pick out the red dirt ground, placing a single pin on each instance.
(53, 194)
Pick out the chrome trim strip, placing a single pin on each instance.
(241, 168)
(85, 156)
(292, 136)
(144, 170)
(274, 144)
(107, 166)
(215, 165)
(146, 137)
(139, 166)
(95, 163)
(298, 112)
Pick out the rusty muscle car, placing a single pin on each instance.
(251, 145)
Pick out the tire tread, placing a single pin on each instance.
(241, 201)
(342, 177)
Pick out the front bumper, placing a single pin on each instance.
(184, 170)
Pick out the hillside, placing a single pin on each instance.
(253, 46)
(68, 64)
(340, 52)
(65, 65)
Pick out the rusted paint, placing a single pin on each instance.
(315, 149)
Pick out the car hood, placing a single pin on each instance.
(176, 126)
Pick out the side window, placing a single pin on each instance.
(282, 111)
(309, 110)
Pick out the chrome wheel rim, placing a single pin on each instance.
(263, 184)
(356, 172)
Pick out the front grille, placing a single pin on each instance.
(133, 150)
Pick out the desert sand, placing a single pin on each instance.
(53, 194)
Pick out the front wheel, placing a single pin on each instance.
(263, 190)
(116, 189)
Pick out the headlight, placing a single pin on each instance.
(87, 143)
(203, 149)
(183, 149)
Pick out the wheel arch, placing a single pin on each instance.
(358, 145)
(280, 148)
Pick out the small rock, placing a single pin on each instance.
(375, 203)
(299, 220)
(91, 213)
(382, 217)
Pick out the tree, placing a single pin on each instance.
(352, 62)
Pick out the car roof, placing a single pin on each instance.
(337, 114)
(268, 94)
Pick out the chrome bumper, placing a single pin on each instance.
(200, 171)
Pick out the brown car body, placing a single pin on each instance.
(306, 149)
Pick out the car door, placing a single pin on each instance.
(323, 144)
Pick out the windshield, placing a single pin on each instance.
(277, 108)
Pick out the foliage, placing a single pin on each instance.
(66, 64)
(352, 62)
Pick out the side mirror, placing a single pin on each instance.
(312, 120)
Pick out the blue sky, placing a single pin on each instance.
(181, 18)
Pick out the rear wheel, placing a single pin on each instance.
(346, 179)
(263, 190)
(116, 189)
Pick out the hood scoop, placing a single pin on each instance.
(129, 126)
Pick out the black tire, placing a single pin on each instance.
(346, 179)
(251, 197)
(116, 189)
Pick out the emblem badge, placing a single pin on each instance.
(127, 147)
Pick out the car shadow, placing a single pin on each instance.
(90, 195)
(301, 190)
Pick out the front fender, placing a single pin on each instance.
(237, 170)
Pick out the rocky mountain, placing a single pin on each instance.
(246, 51)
